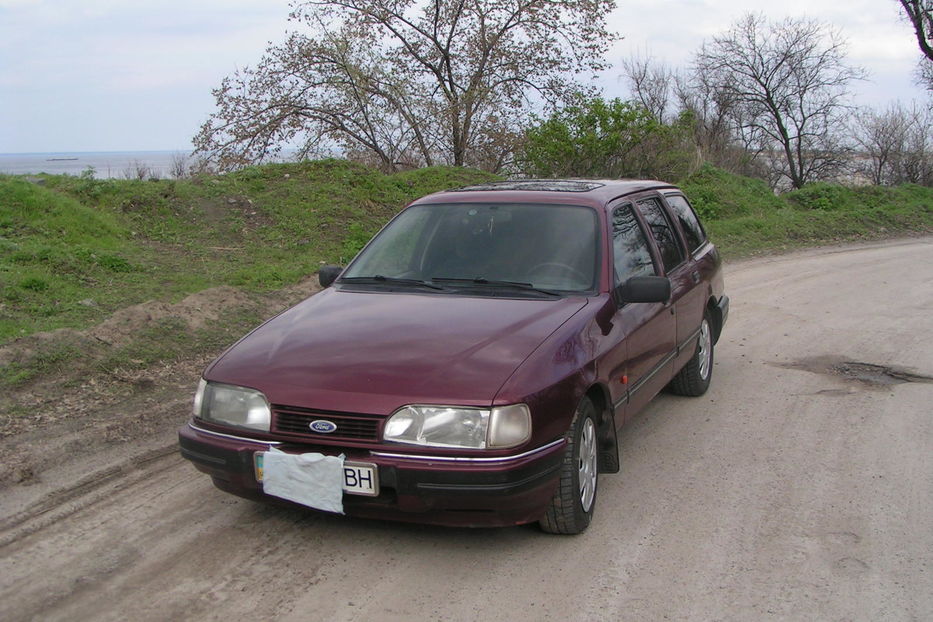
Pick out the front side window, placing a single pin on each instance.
(663, 233)
(631, 255)
(692, 229)
(552, 247)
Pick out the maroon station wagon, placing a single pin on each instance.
(472, 365)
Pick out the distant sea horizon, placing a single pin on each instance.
(105, 164)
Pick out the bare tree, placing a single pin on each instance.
(896, 145)
(920, 14)
(138, 170)
(406, 81)
(882, 138)
(916, 162)
(715, 129)
(690, 100)
(786, 82)
(179, 166)
(651, 83)
(925, 75)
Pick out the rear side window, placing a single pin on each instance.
(693, 231)
(631, 253)
(663, 232)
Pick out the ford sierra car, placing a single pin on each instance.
(475, 363)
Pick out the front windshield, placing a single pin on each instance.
(550, 247)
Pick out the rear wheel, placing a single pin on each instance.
(693, 379)
(571, 508)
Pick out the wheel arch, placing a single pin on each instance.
(606, 428)
(715, 314)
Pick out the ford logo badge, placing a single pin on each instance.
(322, 426)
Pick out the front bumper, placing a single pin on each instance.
(467, 492)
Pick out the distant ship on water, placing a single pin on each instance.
(60, 159)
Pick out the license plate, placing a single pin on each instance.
(359, 478)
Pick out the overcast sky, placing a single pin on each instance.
(133, 75)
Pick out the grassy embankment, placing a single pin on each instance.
(744, 217)
(74, 249)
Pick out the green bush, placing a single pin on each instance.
(716, 193)
(598, 138)
(34, 284)
(823, 196)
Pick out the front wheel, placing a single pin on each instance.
(571, 508)
(693, 379)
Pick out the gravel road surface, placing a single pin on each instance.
(799, 488)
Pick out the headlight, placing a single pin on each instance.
(471, 428)
(229, 405)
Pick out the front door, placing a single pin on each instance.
(642, 336)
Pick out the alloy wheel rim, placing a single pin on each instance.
(587, 465)
(705, 353)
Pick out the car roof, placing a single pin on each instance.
(562, 191)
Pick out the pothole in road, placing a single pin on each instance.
(877, 374)
(868, 374)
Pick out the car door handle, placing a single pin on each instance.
(695, 276)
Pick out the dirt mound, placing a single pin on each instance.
(26, 347)
(197, 310)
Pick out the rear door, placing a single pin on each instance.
(701, 267)
(686, 295)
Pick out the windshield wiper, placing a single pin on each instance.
(379, 279)
(480, 281)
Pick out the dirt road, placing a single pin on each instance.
(800, 487)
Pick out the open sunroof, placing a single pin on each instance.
(546, 185)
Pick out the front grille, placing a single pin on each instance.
(297, 420)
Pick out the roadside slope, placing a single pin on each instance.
(74, 250)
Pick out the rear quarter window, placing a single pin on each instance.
(689, 223)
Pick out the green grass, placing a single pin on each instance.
(75, 249)
(753, 220)
(54, 253)
(717, 194)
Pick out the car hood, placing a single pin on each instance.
(373, 352)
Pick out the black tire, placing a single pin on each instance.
(693, 379)
(571, 508)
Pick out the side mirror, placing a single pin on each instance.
(644, 289)
(328, 274)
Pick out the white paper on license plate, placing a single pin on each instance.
(358, 478)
